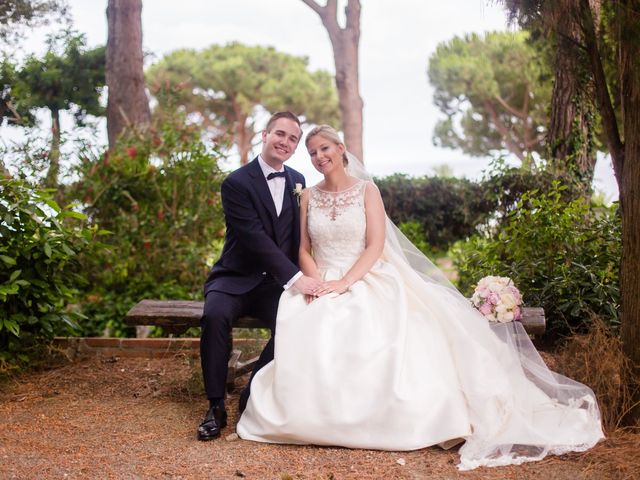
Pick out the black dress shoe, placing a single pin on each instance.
(214, 421)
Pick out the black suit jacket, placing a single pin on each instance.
(250, 250)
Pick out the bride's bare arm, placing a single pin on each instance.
(307, 263)
(374, 210)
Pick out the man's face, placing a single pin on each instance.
(280, 142)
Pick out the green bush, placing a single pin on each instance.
(503, 186)
(562, 256)
(39, 251)
(415, 233)
(158, 194)
(447, 209)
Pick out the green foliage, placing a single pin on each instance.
(39, 251)
(415, 233)
(158, 194)
(227, 86)
(504, 185)
(27, 13)
(447, 209)
(68, 77)
(494, 90)
(562, 256)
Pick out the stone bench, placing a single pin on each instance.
(177, 316)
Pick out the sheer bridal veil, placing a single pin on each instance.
(528, 411)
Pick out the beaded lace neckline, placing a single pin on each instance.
(339, 191)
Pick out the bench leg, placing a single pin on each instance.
(243, 368)
(232, 370)
(238, 369)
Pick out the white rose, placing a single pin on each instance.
(508, 300)
(501, 308)
(491, 317)
(506, 317)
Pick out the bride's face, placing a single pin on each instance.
(325, 154)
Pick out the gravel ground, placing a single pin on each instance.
(136, 418)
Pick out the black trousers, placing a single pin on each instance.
(220, 310)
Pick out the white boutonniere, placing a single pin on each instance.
(297, 191)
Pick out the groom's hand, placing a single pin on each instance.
(307, 285)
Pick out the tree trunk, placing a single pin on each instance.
(570, 143)
(127, 104)
(629, 52)
(345, 42)
(603, 99)
(244, 135)
(51, 180)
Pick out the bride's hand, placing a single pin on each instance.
(332, 286)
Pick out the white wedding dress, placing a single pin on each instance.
(401, 363)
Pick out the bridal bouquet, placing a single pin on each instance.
(498, 299)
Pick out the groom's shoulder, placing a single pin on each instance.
(241, 173)
(294, 173)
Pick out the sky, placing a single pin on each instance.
(397, 39)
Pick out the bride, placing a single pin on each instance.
(388, 355)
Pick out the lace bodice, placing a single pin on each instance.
(337, 225)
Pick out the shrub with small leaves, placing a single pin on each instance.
(444, 209)
(563, 256)
(157, 192)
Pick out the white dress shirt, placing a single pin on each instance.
(276, 187)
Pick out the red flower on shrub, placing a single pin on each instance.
(160, 215)
(147, 245)
(132, 152)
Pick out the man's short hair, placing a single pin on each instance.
(278, 115)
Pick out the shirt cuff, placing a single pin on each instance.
(292, 281)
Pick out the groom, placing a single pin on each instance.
(258, 261)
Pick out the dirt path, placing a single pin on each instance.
(136, 418)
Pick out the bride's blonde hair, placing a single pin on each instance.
(329, 133)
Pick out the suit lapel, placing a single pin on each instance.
(260, 185)
(295, 205)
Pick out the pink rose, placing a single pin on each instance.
(486, 308)
(517, 313)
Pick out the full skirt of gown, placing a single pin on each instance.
(397, 363)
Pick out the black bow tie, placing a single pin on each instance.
(275, 174)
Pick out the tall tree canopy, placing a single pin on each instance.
(224, 87)
(494, 90)
(127, 104)
(27, 13)
(68, 77)
(346, 43)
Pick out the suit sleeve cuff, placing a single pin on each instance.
(293, 280)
